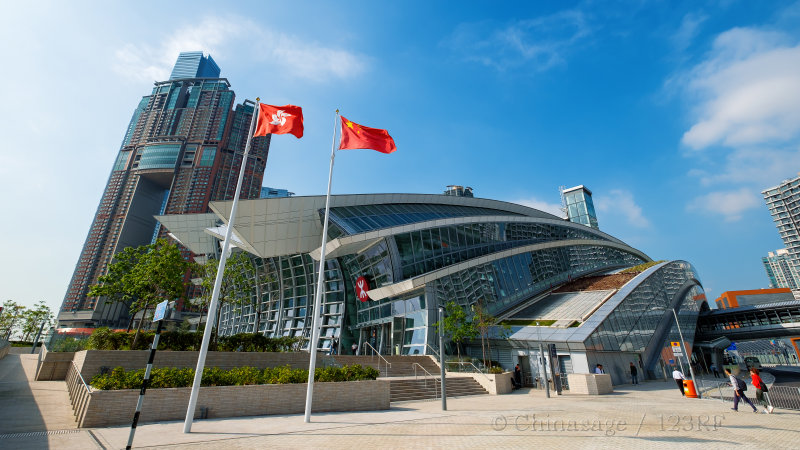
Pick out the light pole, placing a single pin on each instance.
(441, 357)
(542, 362)
(686, 350)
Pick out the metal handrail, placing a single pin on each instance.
(415, 365)
(375, 352)
(86, 385)
(471, 364)
(434, 351)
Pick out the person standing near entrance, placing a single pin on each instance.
(677, 375)
(714, 369)
(334, 345)
(354, 347)
(634, 374)
(739, 386)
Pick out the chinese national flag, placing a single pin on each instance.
(358, 136)
(279, 120)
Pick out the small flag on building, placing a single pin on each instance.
(286, 119)
(355, 136)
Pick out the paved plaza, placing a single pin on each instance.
(652, 414)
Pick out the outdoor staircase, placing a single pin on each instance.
(399, 366)
(428, 388)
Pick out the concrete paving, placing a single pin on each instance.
(31, 406)
(652, 414)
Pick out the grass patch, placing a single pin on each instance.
(641, 267)
(527, 322)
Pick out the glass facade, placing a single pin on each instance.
(579, 206)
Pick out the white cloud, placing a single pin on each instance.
(290, 55)
(748, 91)
(620, 202)
(535, 203)
(761, 167)
(690, 26)
(540, 43)
(730, 204)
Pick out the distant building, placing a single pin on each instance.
(459, 191)
(578, 205)
(735, 299)
(780, 271)
(783, 202)
(268, 192)
(182, 148)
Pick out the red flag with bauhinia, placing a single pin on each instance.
(279, 120)
(358, 136)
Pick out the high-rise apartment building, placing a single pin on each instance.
(269, 192)
(783, 202)
(578, 205)
(780, 271)
(182, 148)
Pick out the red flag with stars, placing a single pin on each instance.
(355, 136)
(279, 120)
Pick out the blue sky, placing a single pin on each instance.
(675, 114)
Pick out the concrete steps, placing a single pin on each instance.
(428, 388)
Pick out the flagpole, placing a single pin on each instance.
(212, 307)
(312, 348)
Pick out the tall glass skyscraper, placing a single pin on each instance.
(783, 202)
(182, 148)
(578, 204)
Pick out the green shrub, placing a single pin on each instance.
(167, 377)
(496, 369)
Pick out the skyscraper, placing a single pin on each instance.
(182, 148)
(780, 271)
(578, 205)
(783, 202)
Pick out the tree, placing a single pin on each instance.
(236, 284)
(10, 318)
(144, 276)
(32, 319)
(456, 326)
(484, 323)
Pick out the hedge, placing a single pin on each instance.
(169, 377)
(105, 339)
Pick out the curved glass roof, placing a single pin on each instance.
(363, 218)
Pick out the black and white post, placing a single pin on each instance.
(162, 312)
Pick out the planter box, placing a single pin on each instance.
(108, 408)
(590, 384)
(494, 383)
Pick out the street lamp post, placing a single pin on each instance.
(441, 357)
(542, 362)
(686, 350)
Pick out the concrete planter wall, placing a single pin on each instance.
(4, 348)
(107, 408)
(53, 365)
(494, 383)
(589, 384)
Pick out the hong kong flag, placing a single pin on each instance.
(279, 120)
(358, 136)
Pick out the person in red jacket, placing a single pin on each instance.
(761, 388)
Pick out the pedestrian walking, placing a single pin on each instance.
(634, 374)
(334, 346)
(714, 369)
(739, 386)
(761, 389)
(677, 375)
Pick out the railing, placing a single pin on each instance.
(436, 392)
(785, 397)
(79, 392)
(374, 353)
(463, 363)
(434, 351)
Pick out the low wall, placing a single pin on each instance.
(53, 365)
(589, 384)
(494, 383)
(5, 346)
(107, 408)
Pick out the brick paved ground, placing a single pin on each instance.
(650, 415)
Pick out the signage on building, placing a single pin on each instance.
(676, 348)
(362, 287)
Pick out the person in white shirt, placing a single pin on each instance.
(738, 393)
(599, 369)
(677, 375)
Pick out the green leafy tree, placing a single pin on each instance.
(11, 318)
(484, 322)
(145, 276)
(236, 288)
(32, 319)
(456, 326)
